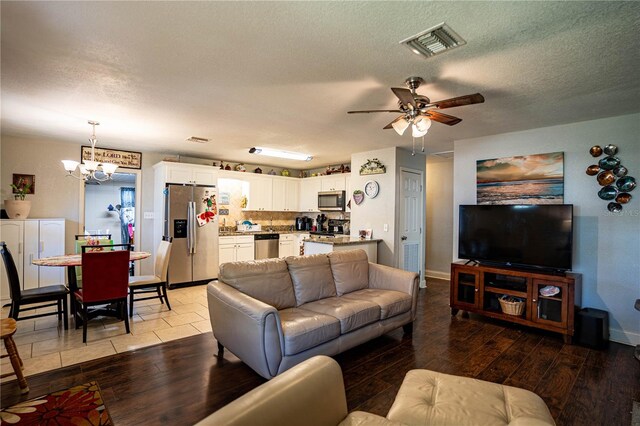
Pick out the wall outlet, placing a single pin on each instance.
(149, 215)
(386, 227)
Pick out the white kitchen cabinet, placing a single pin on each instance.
(28, 240)
(190, 173)
(285, 194)
(235, 248)
(260, 193)
(309, 188)
(287, 245)
(333, 183)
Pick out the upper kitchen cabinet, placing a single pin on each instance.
(260, 193)
(309, 188)
(333, 182)
(285, 194)
(189, 173)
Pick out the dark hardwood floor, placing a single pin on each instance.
(182, 382)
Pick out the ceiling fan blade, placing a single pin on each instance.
(405, 96)
(449, 120)
(390, 125)
(373, 110)
(476, 98)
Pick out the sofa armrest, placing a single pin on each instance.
(311, 393)
(247, 327)
(387, 278)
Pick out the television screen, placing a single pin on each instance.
(538, 236)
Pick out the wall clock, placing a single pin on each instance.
(371, 189)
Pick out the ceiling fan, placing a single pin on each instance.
(418, 110)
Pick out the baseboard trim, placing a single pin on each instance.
(624, 337)
(438, 274)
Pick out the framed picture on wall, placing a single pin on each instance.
(20, 180)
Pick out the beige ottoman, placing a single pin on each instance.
(431, 398)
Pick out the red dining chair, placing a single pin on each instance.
(105, 280)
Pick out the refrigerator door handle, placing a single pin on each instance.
(191, 227)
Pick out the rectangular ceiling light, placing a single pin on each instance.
(280, 154)
(435, 40)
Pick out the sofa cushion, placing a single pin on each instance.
(352, 314)
(304, 329)
(312, 278)
(432, 398)
(267, 280)
(350, 270)
(391, 302)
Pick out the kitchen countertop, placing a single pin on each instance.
(234, 233)
(340, 241)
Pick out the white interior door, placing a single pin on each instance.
(411, 221)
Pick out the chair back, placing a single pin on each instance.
(12, 272)
(98, 236)
(102, 240)
(105, 274)
(162, 259)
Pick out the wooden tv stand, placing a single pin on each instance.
(477, 289)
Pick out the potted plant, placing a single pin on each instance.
(19, 208)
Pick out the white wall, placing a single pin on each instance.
(439, 235)
(606, 245)
(57, 195)
(374, 213)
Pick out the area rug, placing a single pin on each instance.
(79, 405)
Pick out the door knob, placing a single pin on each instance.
(403, 238)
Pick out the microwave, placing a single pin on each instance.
(331, 201)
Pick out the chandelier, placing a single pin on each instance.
(88, 168)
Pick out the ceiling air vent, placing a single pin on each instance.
(435, 40)
(444, 154)
(198, 140)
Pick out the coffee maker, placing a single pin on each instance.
(303, 223)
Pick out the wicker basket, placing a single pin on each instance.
(512, 308)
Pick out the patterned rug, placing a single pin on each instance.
(79, 405)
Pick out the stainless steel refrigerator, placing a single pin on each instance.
(194, 254)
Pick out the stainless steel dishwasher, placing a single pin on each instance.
(266, 245)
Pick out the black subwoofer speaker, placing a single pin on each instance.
(592, 328)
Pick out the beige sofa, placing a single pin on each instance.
(276, 313)
(312, 394)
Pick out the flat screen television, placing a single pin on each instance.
(535, 236)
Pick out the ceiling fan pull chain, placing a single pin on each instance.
(422, 143)
(413, 151)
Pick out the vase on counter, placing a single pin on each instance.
(17, 209)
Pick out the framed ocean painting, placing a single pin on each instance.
(526, 179)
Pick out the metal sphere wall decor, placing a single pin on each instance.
(612, 177)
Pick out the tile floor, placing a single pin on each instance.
(44, 346)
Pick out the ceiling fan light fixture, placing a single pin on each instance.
(417, 133)
(422, 123)
(289, 155)
(400, 126)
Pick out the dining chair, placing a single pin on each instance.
(98, 236)
(105, 281)
(156, 283)
(42, 297)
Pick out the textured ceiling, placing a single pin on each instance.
(283, 74)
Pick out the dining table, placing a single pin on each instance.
(73, 260)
